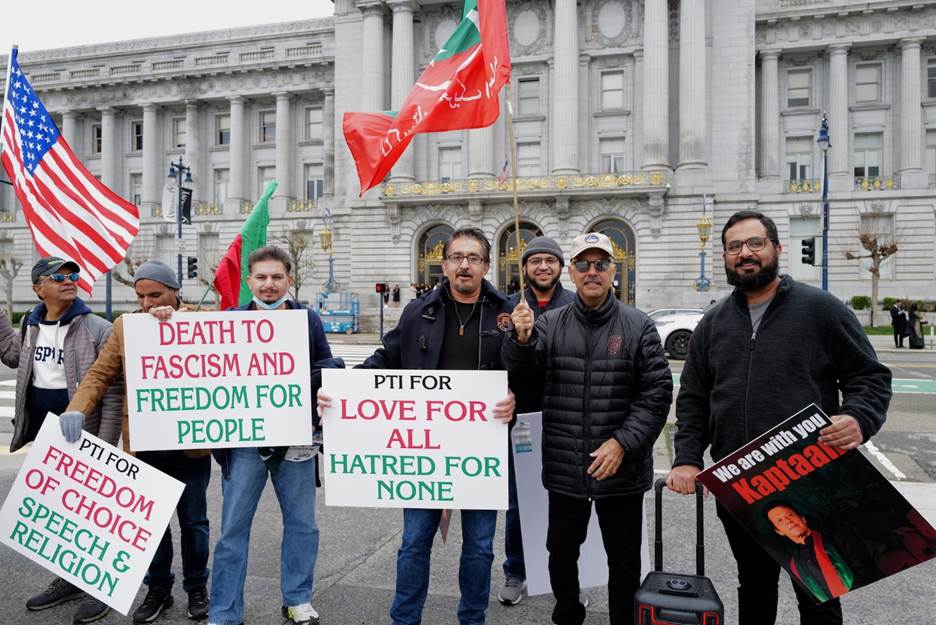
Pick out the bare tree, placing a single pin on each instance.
(9, 268)
(131, 262)
(207, 277)
(298, 243)
(878, 246)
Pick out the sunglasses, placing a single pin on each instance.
(600, 265)
(60, 277)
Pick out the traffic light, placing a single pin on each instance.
(380, 287)
(192, 267)
(809, 251)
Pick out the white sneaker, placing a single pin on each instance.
(303, 614)
(512, 591)
(583, 598)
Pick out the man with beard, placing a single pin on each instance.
(542, 263)
(756, 358)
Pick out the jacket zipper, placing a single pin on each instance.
(747, 382)
(587, 398)
(480, 329)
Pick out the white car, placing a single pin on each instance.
(675, 326)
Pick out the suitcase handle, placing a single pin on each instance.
(658, 539)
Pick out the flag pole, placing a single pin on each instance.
(512, 154)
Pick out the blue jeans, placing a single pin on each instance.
(474, 570)
(294, 483)
(513, 538)
(192, 511)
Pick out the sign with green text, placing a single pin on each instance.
(89, 513)
(218, 379)
(415, 439)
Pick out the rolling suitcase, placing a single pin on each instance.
(673, 598)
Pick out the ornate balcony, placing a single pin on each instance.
(877, 183)
(300, 206)
(806, 185)
(208, 209)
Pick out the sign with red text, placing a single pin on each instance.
(826, 515)
(89, 513)
(415, 439)
(218, 379)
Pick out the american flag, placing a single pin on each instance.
(69, 212)
(502, 176)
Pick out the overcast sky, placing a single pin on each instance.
(64, 23)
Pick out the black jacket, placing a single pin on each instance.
(605, 376)
(737, 385)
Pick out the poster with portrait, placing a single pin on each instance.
(827, 516)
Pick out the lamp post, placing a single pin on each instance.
(175, 172)
(704, 225)
(824, 145)
(325, 237)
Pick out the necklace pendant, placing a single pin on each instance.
(461, 330)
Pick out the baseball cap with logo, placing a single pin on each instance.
(51, 264)
(591, 240)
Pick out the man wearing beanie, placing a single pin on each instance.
(58, 342)
(157, 292)
(541, 263)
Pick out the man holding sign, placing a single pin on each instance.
(762, 354)
(457, 326)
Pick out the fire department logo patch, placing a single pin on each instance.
(504, 322)
(614, 344)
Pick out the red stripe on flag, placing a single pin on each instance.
(228, 275)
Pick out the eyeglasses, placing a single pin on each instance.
(755, 244)
(582, 266)
(60, 277)
(551, 261)
(457, 259)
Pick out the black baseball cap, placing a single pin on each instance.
(51, 264)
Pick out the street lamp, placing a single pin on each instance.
(704, 225)
(824, 145)
(325, 238)
(175, 173)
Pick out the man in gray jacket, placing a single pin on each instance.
(59, 341)
(607, 393)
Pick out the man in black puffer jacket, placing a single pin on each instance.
(607, 392)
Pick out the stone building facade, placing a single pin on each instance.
(626, 114)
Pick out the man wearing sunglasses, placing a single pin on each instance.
(58, 342)
(607, 393)
(770, 349)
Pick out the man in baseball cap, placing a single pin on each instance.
(51, 265)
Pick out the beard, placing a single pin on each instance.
(462, 287)
(542, 285)
(747, 282)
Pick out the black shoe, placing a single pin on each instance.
(155, 601)
(58, 592)
(198, 604)
(90, 610)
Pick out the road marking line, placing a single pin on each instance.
(884, 460)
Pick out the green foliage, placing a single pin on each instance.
(861, 302)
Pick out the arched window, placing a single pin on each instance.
(625, 256)
(509, 259)
(429, 254)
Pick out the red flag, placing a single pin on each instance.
(458, 90)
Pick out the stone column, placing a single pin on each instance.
(841, 180)
(108, 148)
(70, 131)
(636, 146)
(911, 122)
(769, 115)
(402, 75)
(372, 67)
(565, 153)
(193, 154)
(153, 170)
(328, 142)
(237, 159)
(692, 96)
(656, 85)
(284, 192)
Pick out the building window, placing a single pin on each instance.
(799, 157)
(802, 228)
(450, 164)
(880, 227)
(221, 178)
(136, 136)
(267, 127)
(528, 159)
(209, 253)
(799, 83)
(264, 176)
(867, 155)
(314, 181)
(223, 130)
(166, 249)
(868, 83)
(178, 132)
(612, 91)
(931, 79)
(931, 155)
(136, 188)
(313, 124)
(97, 140)
(612, 155)
(528, 96)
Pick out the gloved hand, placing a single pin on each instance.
(71, 422)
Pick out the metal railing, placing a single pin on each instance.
(531, 183)
(806, 185)
(877, 183)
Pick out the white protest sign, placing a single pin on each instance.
(218, 379)
(415, 439)
(89, 513)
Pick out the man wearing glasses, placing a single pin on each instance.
(607, 393)
(58, 342)
(770, 349)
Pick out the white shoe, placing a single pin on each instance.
(583, 598)
(302, 614)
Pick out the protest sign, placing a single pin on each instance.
(415, 438)
(89, 513)
(826, 515)
(218, 379)
(533, 502)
